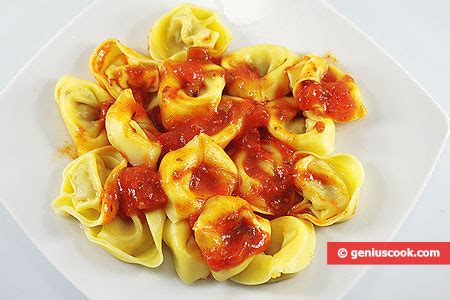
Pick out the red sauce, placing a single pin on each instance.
(208, 181)
(277, 189)
(320, 126)
(191, 73)
(330, 97)
(250, 113)
(103, 111)
(240, 240)
(143, 81)
(101, 55)
(135, 191)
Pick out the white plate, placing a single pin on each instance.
(398, 143)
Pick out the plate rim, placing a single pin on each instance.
(325, 4)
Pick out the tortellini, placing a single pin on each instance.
(131, 131)
(187, 26)
(230, 235)
(259, 72)
(303, 132)
(291, 249)
(192, 174)
(321, 87)
(189, 88)
(82, 189)
(117, 67)
(330, 188)
(80, 103)
(188, 260)
(133, 241)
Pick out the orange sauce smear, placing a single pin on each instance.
(135, 191)
(330, 97)
(277, 189)
(240, 240)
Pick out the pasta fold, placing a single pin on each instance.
(230, 235)
(291, 249)
(258, 72)
(187, 26)
(133, 241)
(80, 103)
(190, 88)
(117, 67)
(302, 132)
(83, 185)
(319, 86)
(131, 131)
(192, 174)
(330, 188)
(188, 261)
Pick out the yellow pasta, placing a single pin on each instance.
(303, 132)
(291, 249)
(133, 241)
(189, 88)
(258, 72)
(224, 224)
(83, 184)
(192, 174)
(80, 103)
(187, 26)
(330, 188)
(117, 67)
(188, 261)
(314, 75)
(131, 131)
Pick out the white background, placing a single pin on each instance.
(415, 33)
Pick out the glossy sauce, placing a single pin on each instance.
(319, 126)
(330, 97)
(277, 189)
(103, 111)
(135, 191)
(240, 239)
(142, 81)
(208, 181)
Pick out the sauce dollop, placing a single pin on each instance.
(240, 239)
(135, 191)
(331, 97)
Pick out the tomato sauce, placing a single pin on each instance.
(135, 191)
(142, 80)
(103, 111)
(276, 189)
(330, 97)
(240, 240)
(207, 181)
(319, 126)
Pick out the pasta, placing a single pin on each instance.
(131, 131)
(187, 26)
(258, 72)
(330, 187)
(183, 93)
(194, 173)
(226, 158)
(117, 67)
(309, 132)
(81, 103)
(83, 185)
(323, 88)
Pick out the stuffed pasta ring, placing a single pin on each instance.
(192, 174)
(117, 67)
(319, 86)
(258, 72)
(309, 132)
(82, 189)
(187, 26)
(330, 187)
(81, 103)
